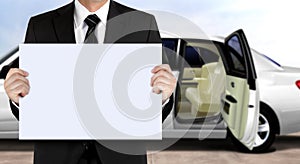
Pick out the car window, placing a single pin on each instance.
(235, 59)
(170, 50)
(196, 56)
(8, 61)
(170, 44)
(192, 57)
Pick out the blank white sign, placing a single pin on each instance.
(99, 91)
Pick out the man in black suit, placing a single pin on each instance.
(69, 25)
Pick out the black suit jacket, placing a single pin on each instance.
(125, 25)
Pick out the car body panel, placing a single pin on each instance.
(9, 126)
(195, 133)
(282, 95)
(279, 91)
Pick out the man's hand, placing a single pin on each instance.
(16, 84)
(163, 81)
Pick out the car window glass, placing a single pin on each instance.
(170, 50)
(235, 58)
(192, 57)
(170, 44)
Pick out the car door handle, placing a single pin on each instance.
(232, 84)
(231, 99)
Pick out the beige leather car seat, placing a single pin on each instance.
(206, 98)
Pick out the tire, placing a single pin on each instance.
(265, 136)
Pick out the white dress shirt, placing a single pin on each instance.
(80, 27)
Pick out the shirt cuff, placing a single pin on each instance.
(17, 106)
(165, 103)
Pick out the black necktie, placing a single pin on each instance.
(91, 21)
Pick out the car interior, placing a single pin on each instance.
(202, 80)
(212, 83)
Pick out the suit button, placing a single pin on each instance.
(85, 145)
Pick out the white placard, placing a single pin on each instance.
(99, 91)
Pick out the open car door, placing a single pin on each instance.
(241, 106)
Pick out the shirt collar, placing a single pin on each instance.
(81, 13)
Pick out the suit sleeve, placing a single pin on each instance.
(154, 37)
(29, 38)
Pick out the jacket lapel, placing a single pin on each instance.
(116, 24)
(64, 24)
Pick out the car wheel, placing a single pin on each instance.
(265, 135)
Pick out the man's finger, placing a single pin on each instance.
(16, 77)
(157, 89)
(164, 80)
(162, 74)
(21, 90)
(165, 67)
(162, 88)
(16, 84)
(17, 70)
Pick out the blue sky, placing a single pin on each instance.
(271, 26)
(14, 16)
